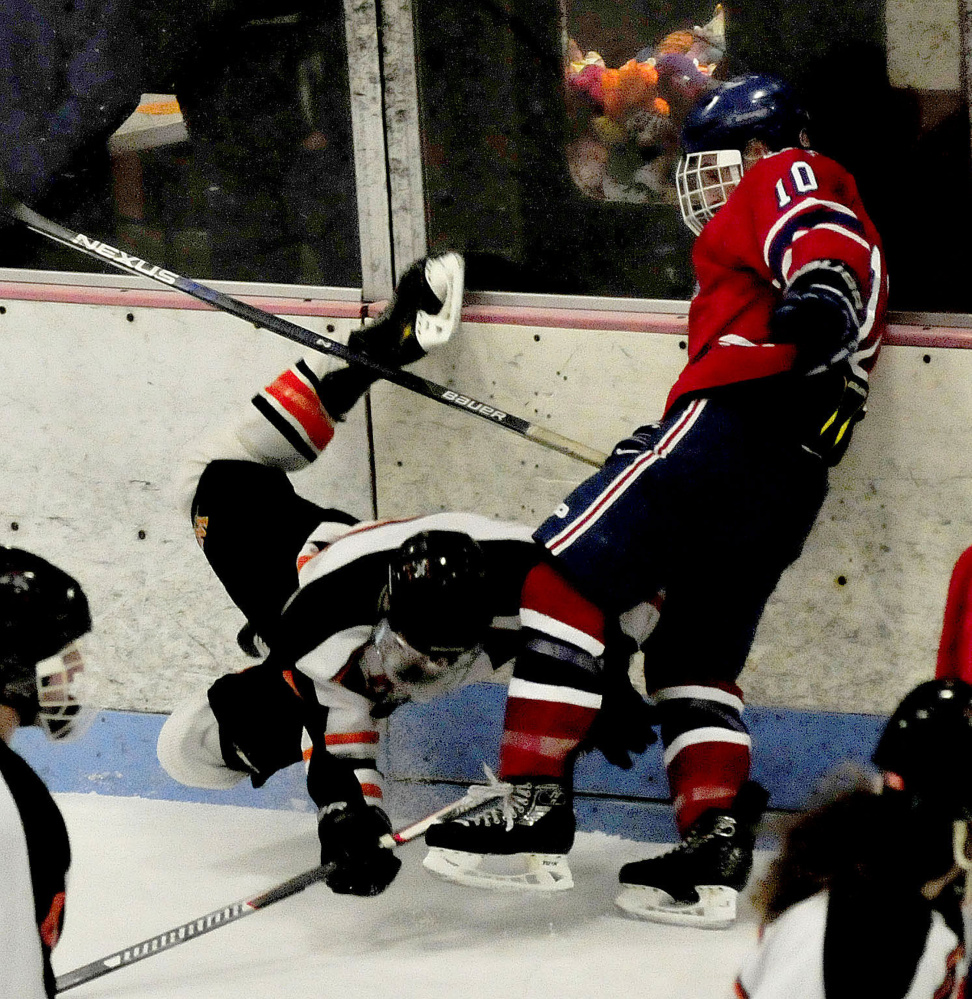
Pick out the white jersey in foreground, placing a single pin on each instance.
(788, 962)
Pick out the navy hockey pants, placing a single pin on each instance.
(710, 505)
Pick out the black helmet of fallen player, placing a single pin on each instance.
(436, 597)
(926, 748)
(43, 613)
(435, 611)
(717, 130)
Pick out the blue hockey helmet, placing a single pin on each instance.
(756, 106)
(716, 132)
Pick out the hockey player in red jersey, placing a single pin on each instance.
(351, 619)
(955, 645)
(876, 873)
(706, 508)
(43, 613)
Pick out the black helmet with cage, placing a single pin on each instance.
(43, 612)
(435, 612)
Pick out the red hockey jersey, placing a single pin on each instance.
(790, 209)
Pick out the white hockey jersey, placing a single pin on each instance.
(345, 569)
(35, 851)
(788, 962)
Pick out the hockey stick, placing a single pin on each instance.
(474, 797)
(299, 334)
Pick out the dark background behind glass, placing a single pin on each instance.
(263, 189)
(495, 127)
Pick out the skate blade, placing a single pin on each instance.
(446, 277)
(715, 909)
(536, 871)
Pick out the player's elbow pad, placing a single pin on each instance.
(820, 314)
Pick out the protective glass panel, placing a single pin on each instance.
(495, 131)
(212, 138)
(550, 132)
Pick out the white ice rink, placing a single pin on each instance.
(143, 866)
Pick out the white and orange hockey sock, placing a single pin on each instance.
(286, 426)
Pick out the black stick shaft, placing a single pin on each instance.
(307, 338)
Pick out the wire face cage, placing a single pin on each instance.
(704, 182)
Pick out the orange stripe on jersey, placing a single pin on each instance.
(50, 929)
(302, 560)
(372, 524)
(302, 403)
(308, 753)
(947, 987)
(740, 992)
(347, 738)
(371, 791)
(289, 678)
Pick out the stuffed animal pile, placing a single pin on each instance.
(627, 119)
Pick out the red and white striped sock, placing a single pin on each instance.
(555, 692)
(707, 747)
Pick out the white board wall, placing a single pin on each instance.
(96, 409)
(855, 622)
(95, 413)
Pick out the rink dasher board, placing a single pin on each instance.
(431, 752)
(103, 398)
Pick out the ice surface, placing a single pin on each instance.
(143, 866)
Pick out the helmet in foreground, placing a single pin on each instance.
(43, 612)
(718, 129)
(927, 747)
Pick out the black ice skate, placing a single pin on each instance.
(424, 313)
(697, 883)
(519, 841)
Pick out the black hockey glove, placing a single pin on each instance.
(843, 408)
(260, 721)
(642, 439)
(820, 315)
(624, 725)
(349, 832)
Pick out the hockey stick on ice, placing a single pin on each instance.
(299, 334)
(474, 797)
